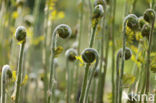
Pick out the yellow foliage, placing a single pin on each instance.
(109, 97)
(134, 49)
(94, 22)
(153, 68)
(79, 58)
(53, 14)
(130, 35)
(51, 4)
(133, 58)
(20, 42)
(139, 36)
(61, 15)
(128, 80)
(15, 14)
(30, 33)
(58, 51)
(14, 76)
(25, 80)
(110, 43)
(57, 15)
(37, 40)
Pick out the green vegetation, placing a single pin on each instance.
(83, 51)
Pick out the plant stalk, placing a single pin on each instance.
(149, 58)
(84, 84)
(90, 80)
(19, 73)
(123, 60)
(52, 79)
(113, 51)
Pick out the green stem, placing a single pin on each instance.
(94, 90)
(143, 82)
(87, 66)
(101, 58)
(93, 34)
(18, 81)
(4, 76)
(84, 84)
(135, 69)
(113, 52)
(81, 26)
(90, 7)
(103, 78)
(45, 57)
(133, 6)
(90, 80)
(126, 8)
(149, 57)
(139, 81)
(79, 42)
(68, 81)
(117, 78)
(51, 82)
(76, 79)
(123, 59)
(71, 82)
(152, 4)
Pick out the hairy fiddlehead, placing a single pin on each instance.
(6, 74)
(70, 56)
(21, 37)
(128, 54)
(92, 73)
(149, 16)
(132, 22)
(88, 56)
(97, 14)
(64, 31)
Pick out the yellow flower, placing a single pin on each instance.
(25, 80)
(58, 51)
(20, 42)
(51, 4)
(110, 43)
(14, 76)
(37, 40)
(15, 15)
(130, 35)
(133, 58)
(57, 15)
(139, 36)
(135, 49)
(53, 15)
(30, 33)
(79, 58)
(61, 15)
